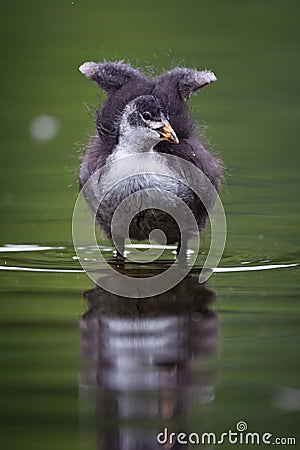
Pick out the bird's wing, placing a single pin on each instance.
(110, 76)
(185, 81)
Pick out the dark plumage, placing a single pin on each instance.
(132, 97)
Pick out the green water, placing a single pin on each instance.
(248, 367)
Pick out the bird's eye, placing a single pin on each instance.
(146, 115)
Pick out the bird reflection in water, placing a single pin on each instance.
(142, 364)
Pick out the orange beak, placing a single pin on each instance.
(167, 132)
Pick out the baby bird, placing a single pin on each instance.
(143, 115)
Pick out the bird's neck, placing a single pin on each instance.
(132, 144)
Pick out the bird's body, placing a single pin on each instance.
(160, 181)
(143, 116)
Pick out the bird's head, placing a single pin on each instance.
(144, 123)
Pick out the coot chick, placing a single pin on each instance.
(146, 115)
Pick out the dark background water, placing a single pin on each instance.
(253, 117)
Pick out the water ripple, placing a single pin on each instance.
(26, 248)
(34, 269)
(62, 259)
